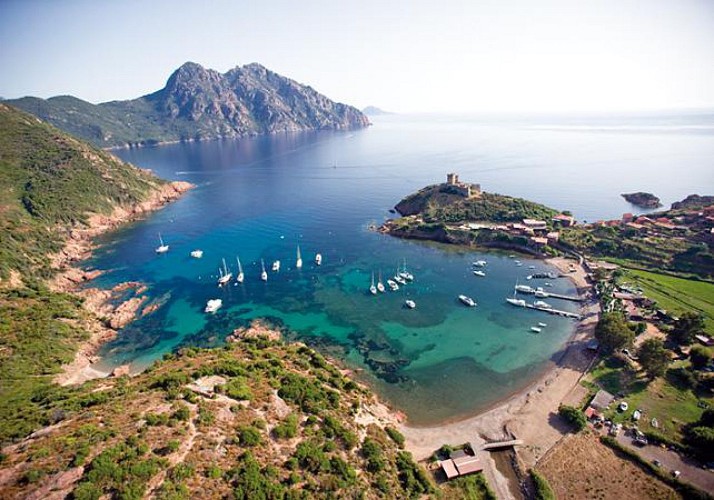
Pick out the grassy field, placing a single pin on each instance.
(664, 398)
(676, 295)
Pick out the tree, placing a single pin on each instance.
(613, 333)
(653, 357)
(700, 356)
(573, 416)
(687, 326)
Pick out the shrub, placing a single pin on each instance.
(573, 416)
(543, 491)
(249, 436)
(395, 436)
(287, 428)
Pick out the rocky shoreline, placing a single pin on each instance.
(105, 315)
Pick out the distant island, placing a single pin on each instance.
(642, 199)
(375, 111)
(199, 104)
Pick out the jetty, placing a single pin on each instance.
(544, 294)
(495, 445)
(554, 312)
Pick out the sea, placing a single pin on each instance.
(260, 198)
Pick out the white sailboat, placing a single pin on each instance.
(392, 285)
(514, 301)
(410, 304)
(479, 273)
(263, 274)
(405, 274)
(213, 305)
(479, 263)
(162, 248)
(398, 278)
(318, 259)
(240, 276)
(224, 274)
(276, 266)
(298, 263)
(380, 285)
(372, 288)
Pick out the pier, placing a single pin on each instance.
(555, 312)
(543, 294)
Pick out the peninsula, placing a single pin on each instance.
(199, 104)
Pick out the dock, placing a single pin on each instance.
(495, 445)
(549, 295)
(554, 312)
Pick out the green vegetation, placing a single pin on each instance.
(653, 357)
(573, 416)
(541, 486)
(473, 487)
(699, 436)
(613, 333)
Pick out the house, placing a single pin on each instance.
(704, 340)
(539, 242)
(564, 220)
(628, 217)
(553, 237)
(534, 224)
(602, 400)
(460, 463)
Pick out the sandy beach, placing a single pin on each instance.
(530, 415)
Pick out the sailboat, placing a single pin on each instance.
(406, 275)
(276, 266)
(372, 288)
(224, 274)
(263, 274)
(240, 276)
(397, 277)
(514, 301)
(318, 259)
(380, 285)
(162, 248)
(298, 263)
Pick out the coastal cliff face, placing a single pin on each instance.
(200, 104)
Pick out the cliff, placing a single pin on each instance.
(643, 200)
(200, 104)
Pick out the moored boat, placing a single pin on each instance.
(541, 305)
(380, 285)
(224, 275)
(542, 325)
(276, 266)
(213, 305)
(298, 262)
(162, 248)
(372, 288)
(263, 274)
(536, 329)
(318, 259)
(479, 273)
(468, 301)
(479, 263)
(392, 285)
(410, 304)
(197, 254)
(516, 302)
(240, 276)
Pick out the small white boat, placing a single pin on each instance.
(392, 285)
(405, 274)
(529, 277)
(162, 248)
(531, 267)
(542, 305)
(197, 254)
(224, 274)
(276, 266)
(240, 276)
(213, 305)
(518, 263)
(479, 273)
(541, 294)
(468, 301)
(410, 304)
(318, 259)
(399, 279)
(372, 288)
(479, 263)
(524, 289)
(263, 274)
(542, 325)
(548, 283)
(536, 329)
(298, 262)
(516, 302)
(380, 285)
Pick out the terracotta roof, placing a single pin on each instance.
(449, 468)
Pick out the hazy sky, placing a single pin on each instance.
(418, 55)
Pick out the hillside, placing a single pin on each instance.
(199, 104)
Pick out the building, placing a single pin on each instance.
(463, 188)
(602, 400)
(460, 463)
(564, 220)
(534, 224)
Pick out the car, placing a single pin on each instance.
(623, 406)
(675, 473)
(657, 463)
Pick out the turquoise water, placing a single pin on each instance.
(260, 198)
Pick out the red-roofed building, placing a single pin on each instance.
(564, 220)
(643, 220)
(628, 217)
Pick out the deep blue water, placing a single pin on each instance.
(260, 198)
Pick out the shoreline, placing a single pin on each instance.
(78, 247)
(527, 414)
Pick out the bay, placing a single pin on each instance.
(260, 198)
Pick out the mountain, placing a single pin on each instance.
(199, 104)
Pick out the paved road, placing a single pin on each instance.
(691, 472)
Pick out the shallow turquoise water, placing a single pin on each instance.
(260, 198)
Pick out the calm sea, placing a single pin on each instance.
(260, 198)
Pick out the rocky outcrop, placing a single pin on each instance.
(642, 200)
(200, 104)
(693, 202)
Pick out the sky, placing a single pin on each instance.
(403, 56)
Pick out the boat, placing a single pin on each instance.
(276, 266)
(524, 289)
(540, 293)
(240, 276)
(405, 274)
(380, 285)
(536, 329)
(162, 248)
(224, 274)
(392, 285)
(479, 273)
(196, 254)
(399, 279)
(318, 259)
(410, 304)
(542, 325)
(263, 274)
(636, 415)
(479, 263)
(213, 305)
(372, 288)
(298, 262)
(467, 301)
(531, 267)
(518, 263)
(516, 302)
(541, 305)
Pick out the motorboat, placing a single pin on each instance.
(516, 302)
(197, 254)
(524, 289)
(318, 259)
(468, 301)
(213, 305)
(410, 304)
(479, 263)
(542, 325)
(536, 329)
(263, 274)
(162, 248)
(479, 273)
(541, 305)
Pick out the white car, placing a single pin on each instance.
(623, 406)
